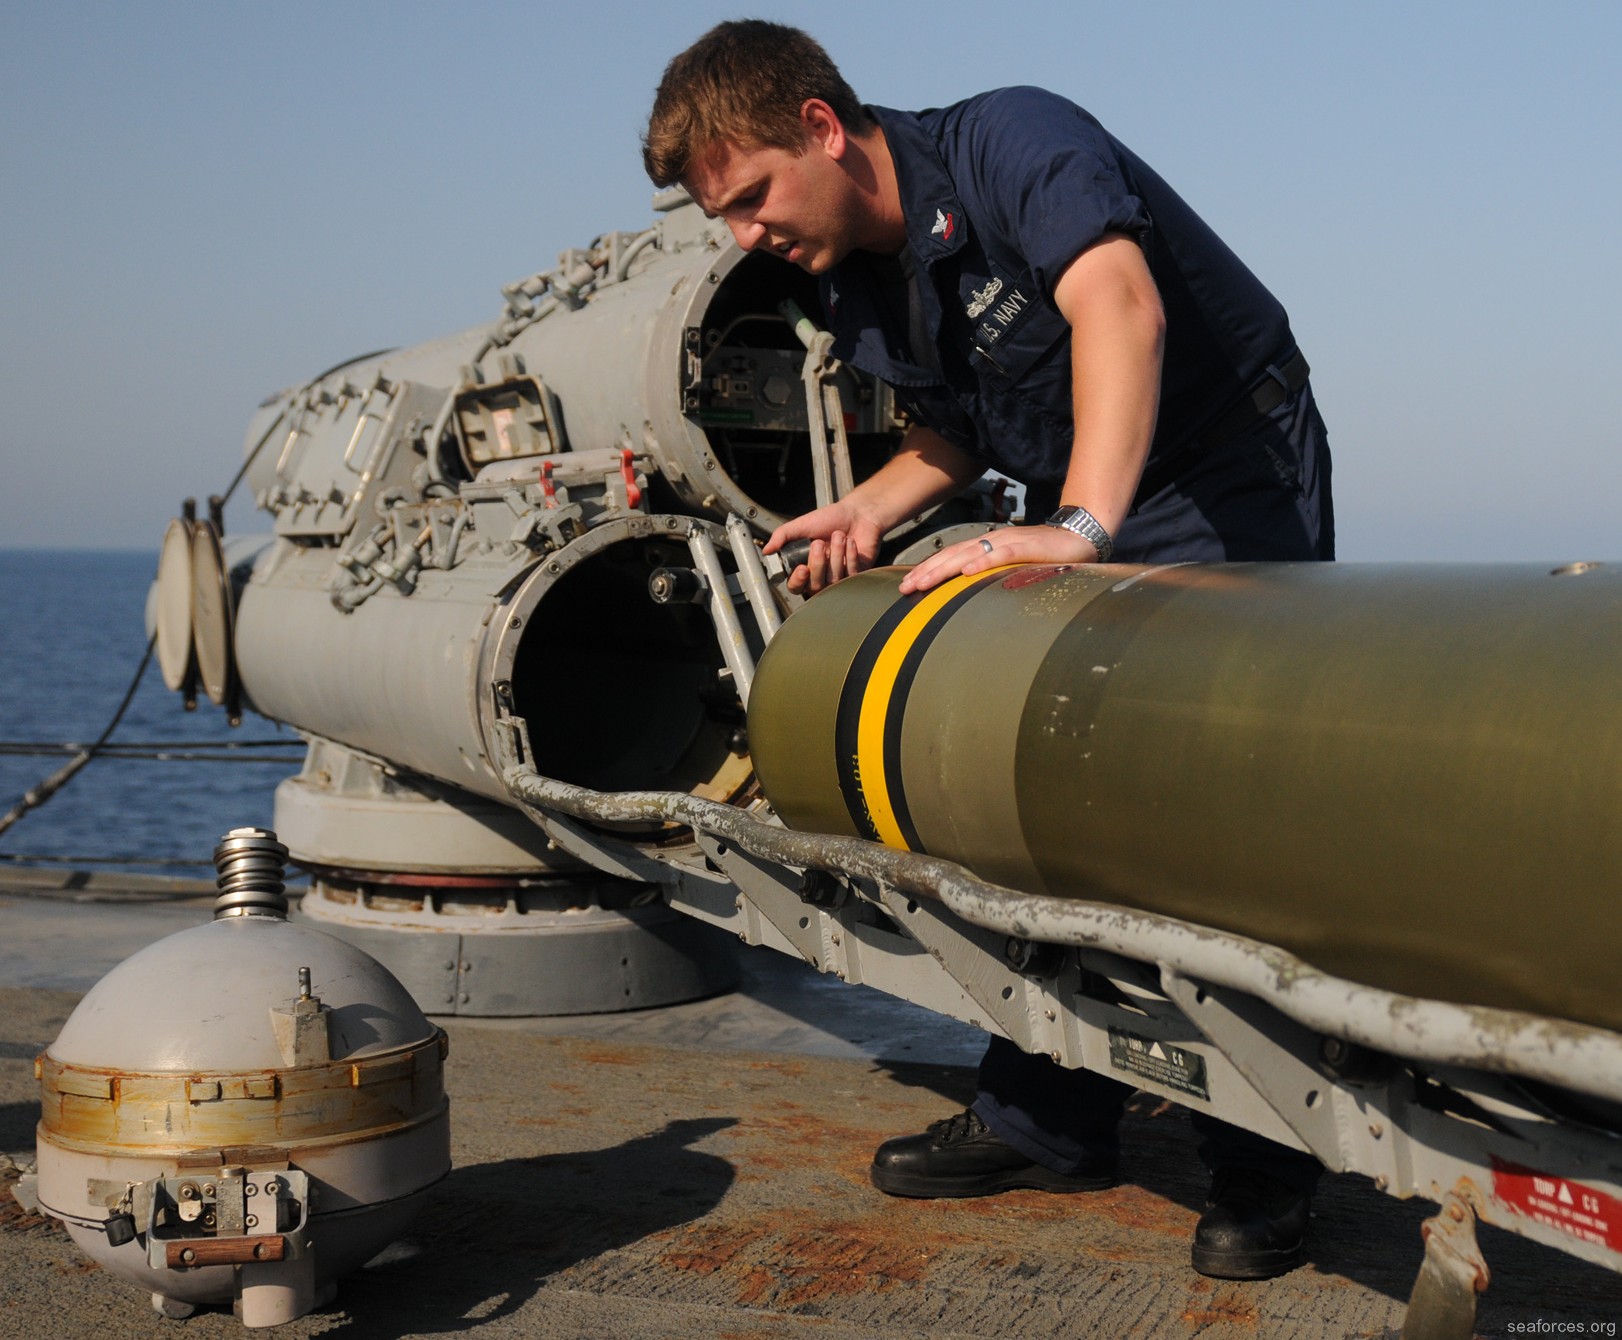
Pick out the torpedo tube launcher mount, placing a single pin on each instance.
(1328, 851)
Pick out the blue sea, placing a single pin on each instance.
(72, 633)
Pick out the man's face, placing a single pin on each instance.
(796, 206)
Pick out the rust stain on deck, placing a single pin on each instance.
(793, 1136)
(15, 1219)
(1227, 1307)
(790, 1068)
(707, 1248)
(799, 1259)
(601, 1053)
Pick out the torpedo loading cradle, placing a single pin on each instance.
(1257, 839)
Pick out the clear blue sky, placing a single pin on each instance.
(201, 203)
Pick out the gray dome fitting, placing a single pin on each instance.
(244, 1111)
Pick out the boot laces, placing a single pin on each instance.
(966, 1125)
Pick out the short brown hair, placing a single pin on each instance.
(742, 83)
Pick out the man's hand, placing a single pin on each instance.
(845, 535)
(1010, 544)
(844, 541)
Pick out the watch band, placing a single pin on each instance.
(1079, 521)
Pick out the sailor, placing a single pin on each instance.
(1045, 306)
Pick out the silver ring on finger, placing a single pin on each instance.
(985, 544)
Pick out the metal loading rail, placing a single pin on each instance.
(1491, 1113)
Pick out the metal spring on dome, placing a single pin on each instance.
(251, 865)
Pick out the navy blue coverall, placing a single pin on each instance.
(999, 194)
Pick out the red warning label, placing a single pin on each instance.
(1583, 1212)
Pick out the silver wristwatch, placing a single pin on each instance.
(1079, 521)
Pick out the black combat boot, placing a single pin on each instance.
(1253, 1227)
(961, 1157)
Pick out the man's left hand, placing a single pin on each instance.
(998, 548)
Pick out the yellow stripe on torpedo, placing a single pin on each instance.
(875, 711)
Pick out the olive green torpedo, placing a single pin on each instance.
(1409, 776)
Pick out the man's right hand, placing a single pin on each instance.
(844, 541)
(845, 535)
